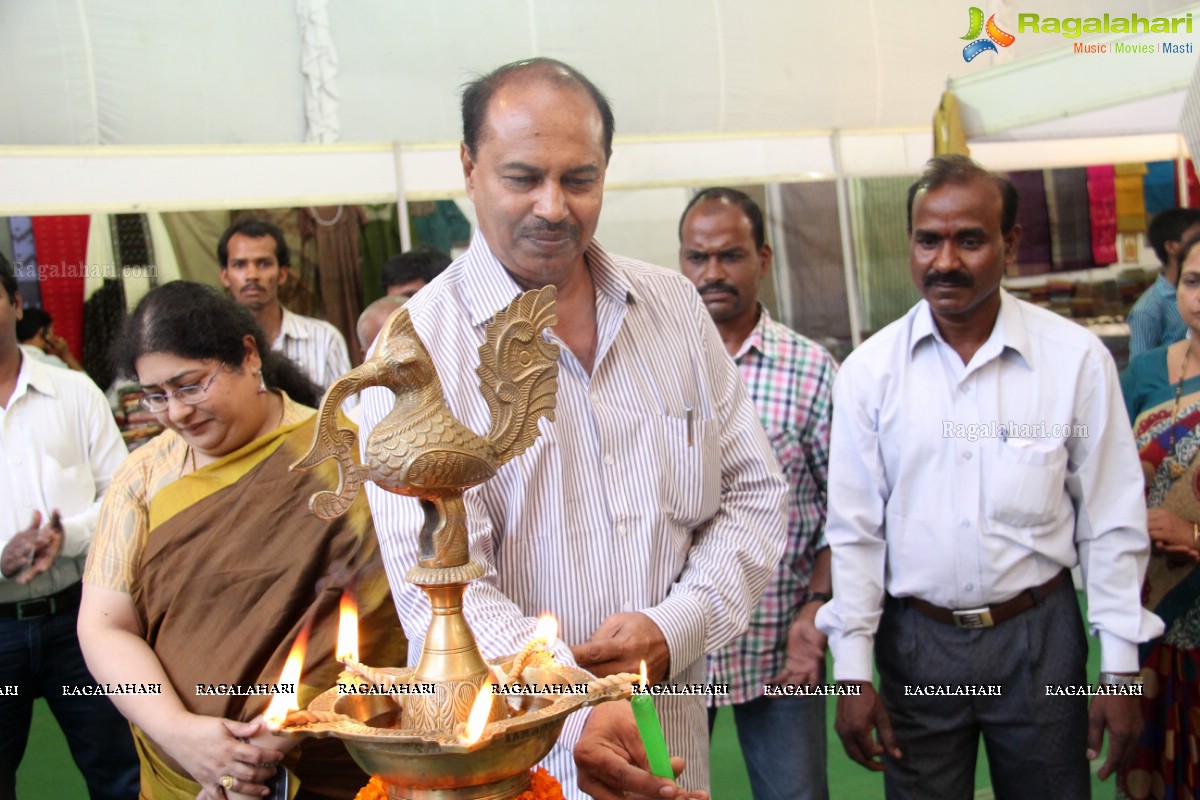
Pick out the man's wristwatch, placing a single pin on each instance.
(1119, 679)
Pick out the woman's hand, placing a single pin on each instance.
(1171, 534)
(211, 749)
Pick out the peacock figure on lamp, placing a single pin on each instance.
(458, 742)
(421, 450)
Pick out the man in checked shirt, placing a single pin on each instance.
(723, 251)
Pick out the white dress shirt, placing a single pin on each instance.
(317, 346)
(59, 448)
(612, 509)
(963, 485)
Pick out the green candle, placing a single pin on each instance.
(651, 731)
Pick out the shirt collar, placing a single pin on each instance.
(490, 287)
(1163, 287)
(289, 326)
(762, 338)
(34, 374)
(1008, 333)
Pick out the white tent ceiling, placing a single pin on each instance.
(83, 72)
(116, 105)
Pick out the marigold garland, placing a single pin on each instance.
(543, 786)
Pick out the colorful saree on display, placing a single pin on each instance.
(1167, 433)
(234, 567)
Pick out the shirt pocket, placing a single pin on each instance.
(785, 444)
(1027, 487)
(69, 490)
(689, 470)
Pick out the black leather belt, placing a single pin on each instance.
(987, 616)
(48, 606)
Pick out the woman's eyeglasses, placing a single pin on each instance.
(188, 395)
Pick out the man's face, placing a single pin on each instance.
(10, 312)
(717, 253)
(537, 179)
(1172, 247)
(252, 274)
(956, 252)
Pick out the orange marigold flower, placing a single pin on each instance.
(374, 790)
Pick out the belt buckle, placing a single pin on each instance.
(973, 618)
(38, 607)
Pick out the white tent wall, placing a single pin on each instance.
(79, 72)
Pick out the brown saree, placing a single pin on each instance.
(234, 566)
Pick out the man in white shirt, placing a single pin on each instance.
(255, 262)
(648, 515)
(59, 448)
(980, 449)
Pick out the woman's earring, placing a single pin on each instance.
(262, 383)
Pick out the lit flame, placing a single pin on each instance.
(281, 704)
(347, 641)
(643, 675)
(481, 709)
(547, 629)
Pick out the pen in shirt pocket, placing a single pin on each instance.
(689, 415)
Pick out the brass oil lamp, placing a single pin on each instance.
(437, 731)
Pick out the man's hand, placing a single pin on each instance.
(804, 664)
(612, 761)
(33, 550)
(57, 346)
(1121, 716)
(857, 716)
(620, 644)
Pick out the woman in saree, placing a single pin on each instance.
(1162, 395)
(207, 564)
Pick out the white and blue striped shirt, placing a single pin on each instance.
(612, 509)
(316, 346)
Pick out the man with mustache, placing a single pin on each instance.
(723, 251)
(980, 450)
(255, 262)
(648, 515)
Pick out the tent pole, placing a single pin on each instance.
(780, 272)
(1181, 155)
(401, 198)
(848, 265)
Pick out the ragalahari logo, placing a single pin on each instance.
(995, 36)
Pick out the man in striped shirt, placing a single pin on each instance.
(254, 263)
(648, 515)
(723, 251)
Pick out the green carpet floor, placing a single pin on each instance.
(49, 772)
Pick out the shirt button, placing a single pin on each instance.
(608, 460)
(620, 530)
(966, 387)
(16, 459)
(968, 587)
(966, 523)
(966, 456)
